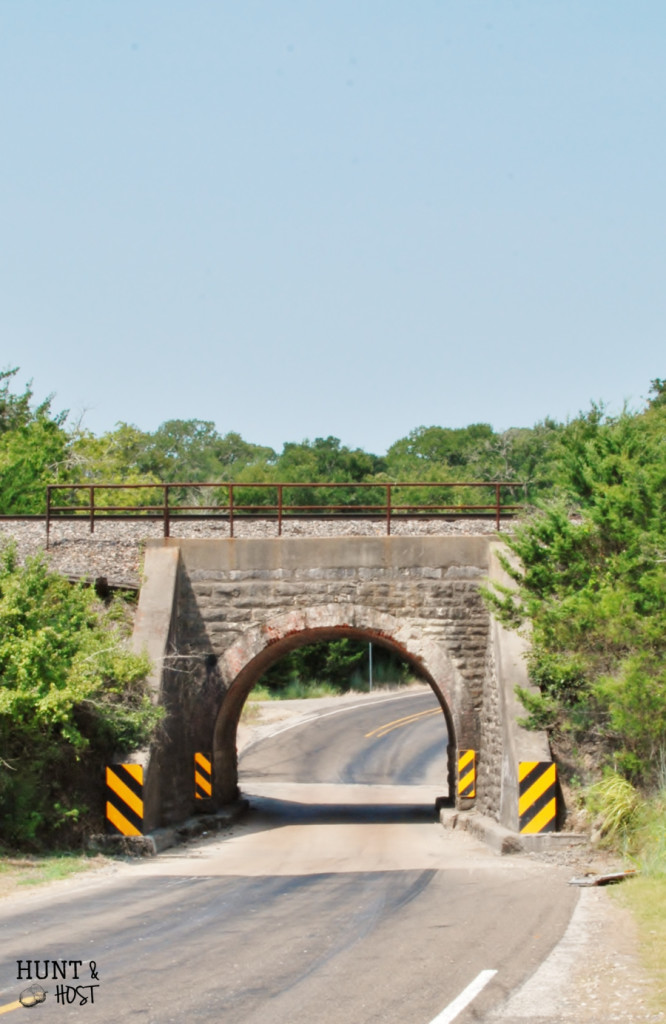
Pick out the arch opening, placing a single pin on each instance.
(275, 649)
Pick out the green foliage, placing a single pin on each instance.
(520, 453)
(330, 662)
(635, 703)
(325, 458)
(439, 447)
(658, 392)
(192, 450)
(476, 452)
(335, 665)
(593, 589)
(71, 696)
(179, 451)
(33, 448)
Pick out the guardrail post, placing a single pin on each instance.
(92, 508)
(497, 506)
(388, 510)
(231, 510)
(279, 510)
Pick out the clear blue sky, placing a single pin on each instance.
(345, 217)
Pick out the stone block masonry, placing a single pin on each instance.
(236, 606)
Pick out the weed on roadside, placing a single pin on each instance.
(17, 871)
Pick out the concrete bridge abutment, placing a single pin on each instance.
(213, 615)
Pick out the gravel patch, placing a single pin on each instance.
(114, 550)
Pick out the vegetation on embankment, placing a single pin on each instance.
(591, 587)
(72, 697)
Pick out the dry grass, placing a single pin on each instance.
(18, 872)
(646, 898)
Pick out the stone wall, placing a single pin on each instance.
(242, 604)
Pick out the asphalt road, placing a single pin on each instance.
(339, 899)
(387, 739)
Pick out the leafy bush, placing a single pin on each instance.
(593, 589)
(33, 446)
(71, 697)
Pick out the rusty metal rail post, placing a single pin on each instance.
(48, 515)
(279, 510)
(497, 506)
(92, 509)
(388, 510)
(231, 510)
(167, 521)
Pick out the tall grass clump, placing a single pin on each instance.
(613, 804)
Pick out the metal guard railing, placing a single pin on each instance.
(232, 509)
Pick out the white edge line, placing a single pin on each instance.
(451, 1011)
(348, 707)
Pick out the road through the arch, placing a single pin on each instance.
(399, 739)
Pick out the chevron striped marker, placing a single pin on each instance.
(124, 799)
(467, 774)
(537, 803)
(203, 777)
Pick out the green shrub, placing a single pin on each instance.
(71, 697)
(592, 588)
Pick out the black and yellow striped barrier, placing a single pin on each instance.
(467, 774)
(537, 802)
(124, 799)
(203, 777)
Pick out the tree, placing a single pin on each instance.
(436, 448)
(33, 448)
(593, 589)
(340, 664)
(658, 392)
(326, 459)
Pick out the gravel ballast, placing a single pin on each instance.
(114, 550)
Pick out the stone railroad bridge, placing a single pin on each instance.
(214, 614)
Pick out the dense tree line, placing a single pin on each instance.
(38, 446)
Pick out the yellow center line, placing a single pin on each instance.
(397, 723)
(11, 1006)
